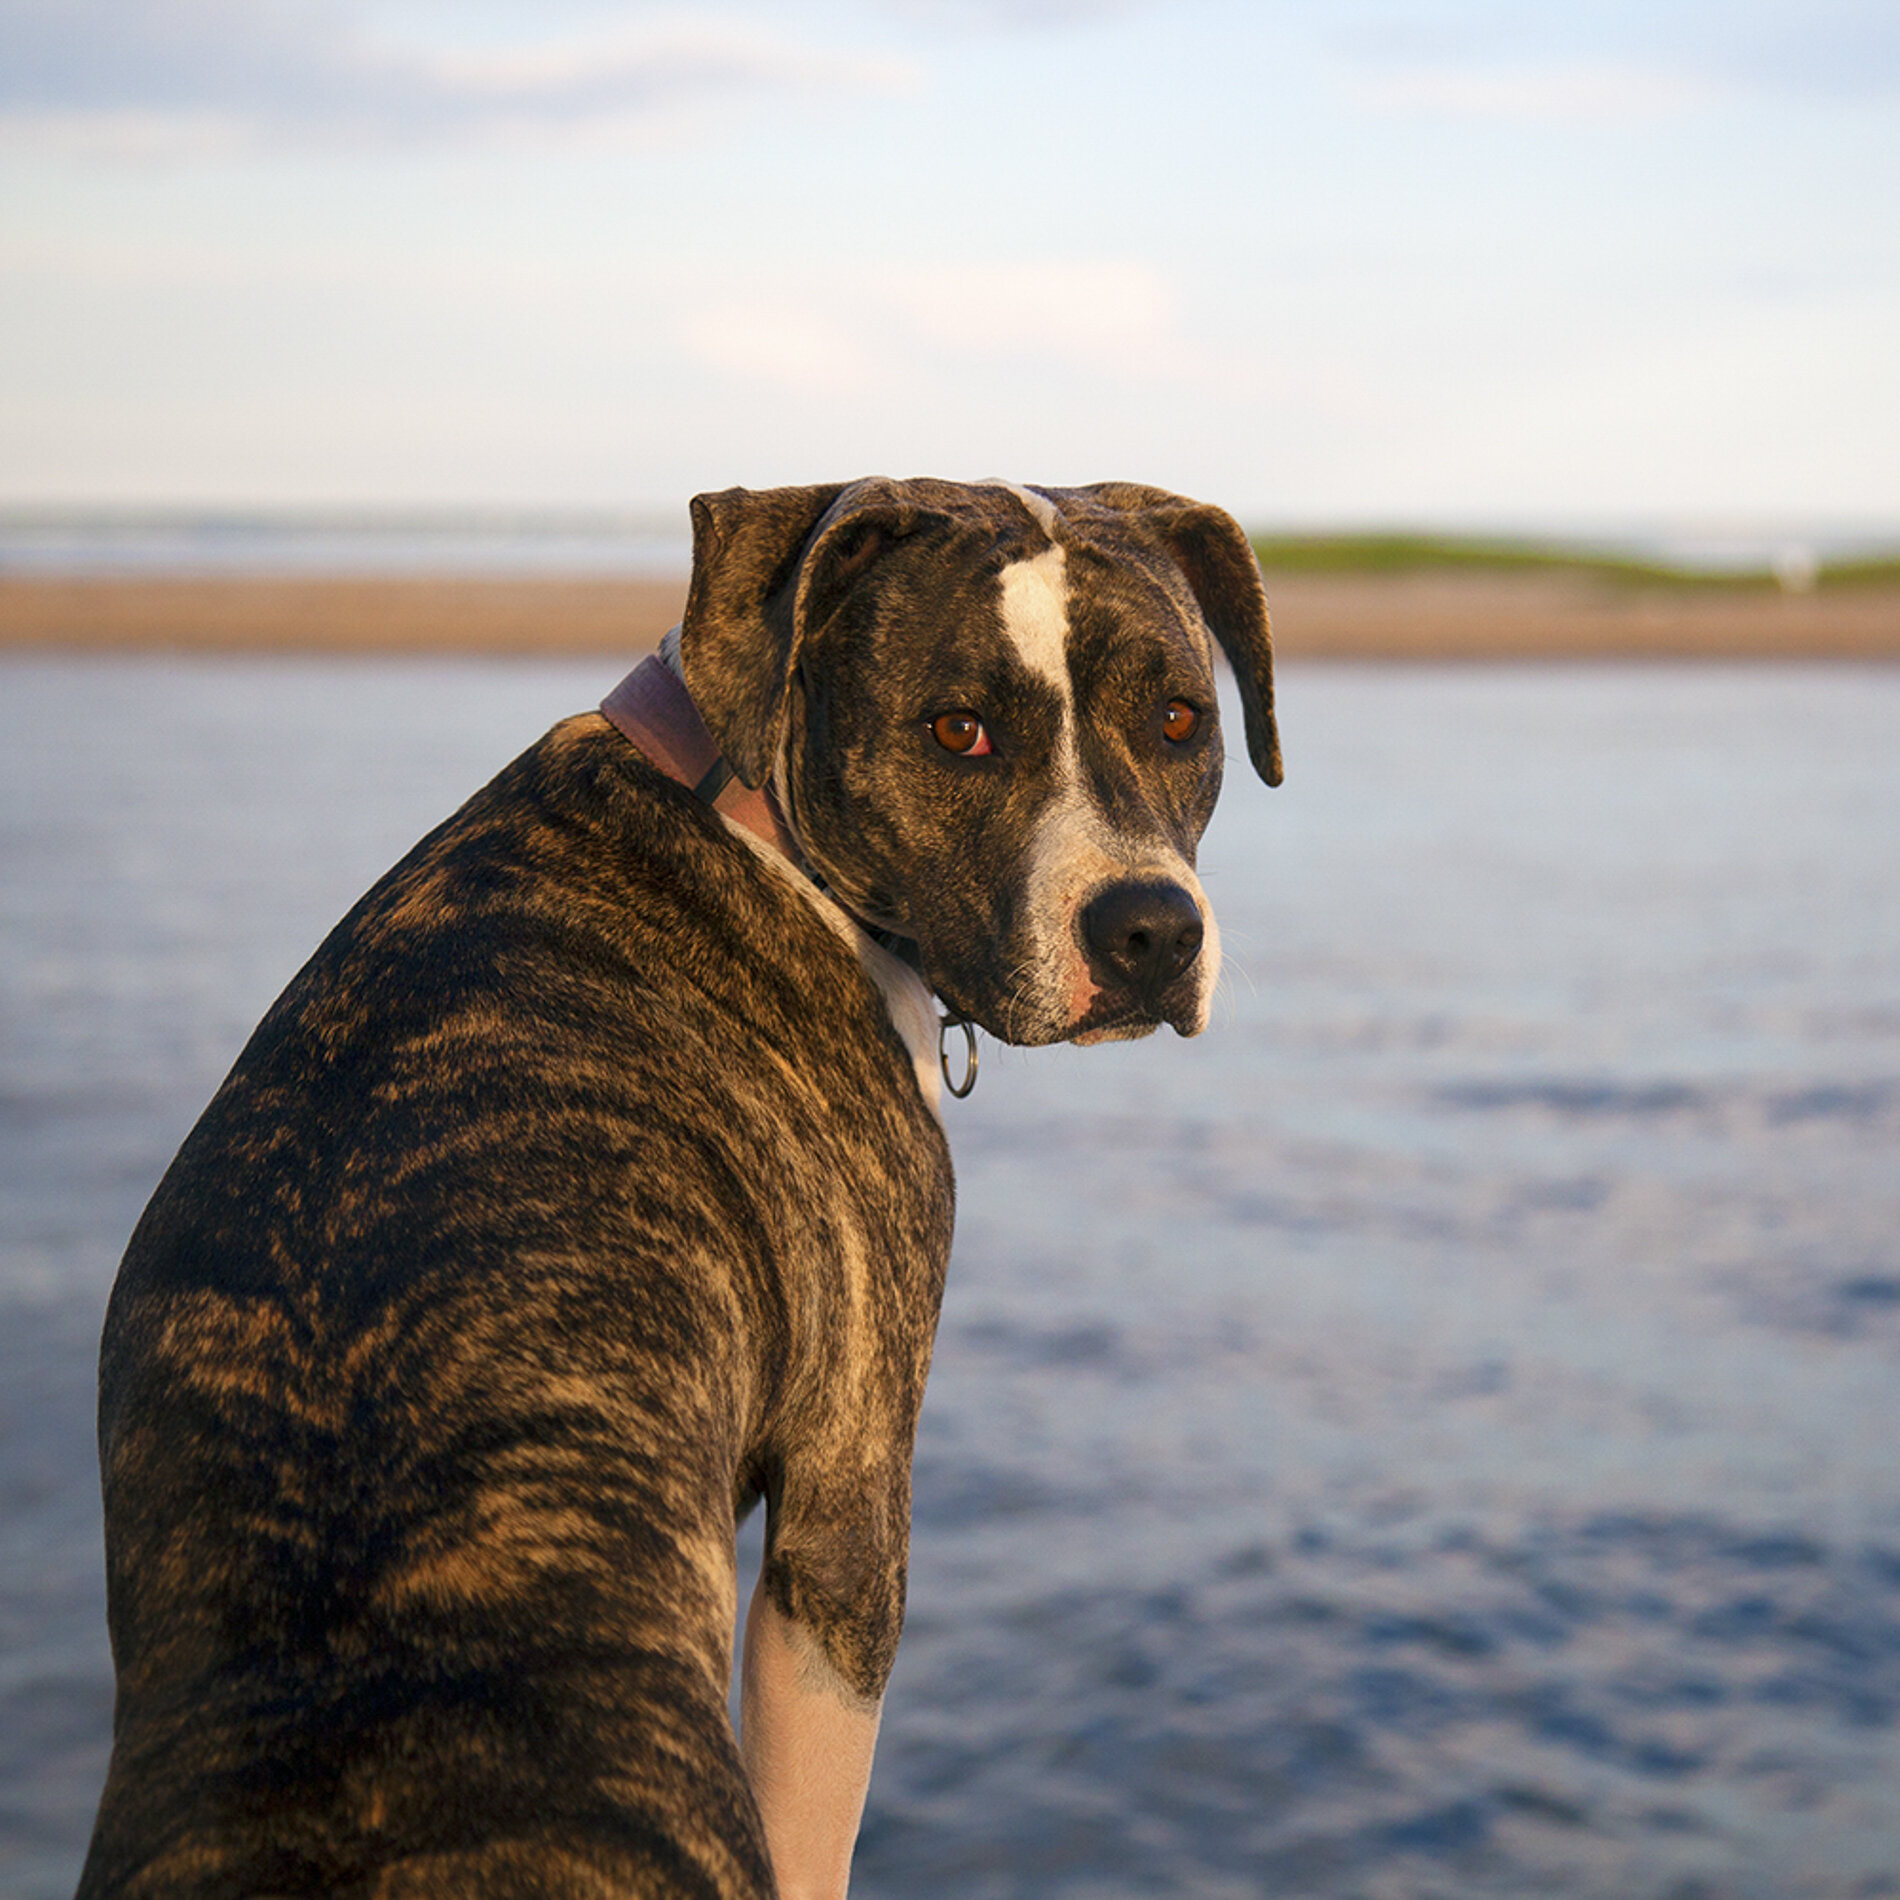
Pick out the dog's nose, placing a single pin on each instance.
(1142, 936)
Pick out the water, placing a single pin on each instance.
(1435, 1434)
(167, 543)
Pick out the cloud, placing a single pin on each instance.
(1615, 59)
(980, 14)
(236, 73)
(785, 344)
(1583, 91)
(1842, 49)
(879, 330)
(1110, 312)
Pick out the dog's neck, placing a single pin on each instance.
(652, 709)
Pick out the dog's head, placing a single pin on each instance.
(988, 714)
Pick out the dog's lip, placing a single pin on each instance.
(1129, 1029)
(1108, 1015)
(1111, 1014)
(1103, 1018)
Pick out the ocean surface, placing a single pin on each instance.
(1436, 1434)
(462, 543)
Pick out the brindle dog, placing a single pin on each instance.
(587, 1186)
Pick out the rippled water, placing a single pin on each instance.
(1439, 1433)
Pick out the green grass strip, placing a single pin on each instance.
(1395, 554)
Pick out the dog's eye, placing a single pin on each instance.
(1179, 721)
(961, 732)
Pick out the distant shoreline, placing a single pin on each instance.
(1470, 613)
(302, 613)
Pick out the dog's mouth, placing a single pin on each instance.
(1097, 1015)
(1127, 1029)
(1113, 1017)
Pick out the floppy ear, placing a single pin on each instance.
(739, 636)
(1212, 552)
(769, 564)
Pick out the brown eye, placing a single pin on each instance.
(1179, 720)
(961, 732)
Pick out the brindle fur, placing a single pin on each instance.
(465, 1321)
(578, 1193)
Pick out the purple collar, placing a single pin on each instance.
(652, 707)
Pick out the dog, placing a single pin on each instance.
(589, 1186)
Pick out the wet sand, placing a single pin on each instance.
(1403, 617)
(338, 614)
(1560, 617)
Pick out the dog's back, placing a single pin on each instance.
(546, 1221)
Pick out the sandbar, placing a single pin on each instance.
(1425, 617)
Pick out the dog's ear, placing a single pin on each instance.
(769, 565)
(1210, 549)
(739, 634)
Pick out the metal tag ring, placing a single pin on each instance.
(943, 1055)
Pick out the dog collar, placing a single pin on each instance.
(653, 709)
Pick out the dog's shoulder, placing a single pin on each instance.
(585, 892)
(552, 972)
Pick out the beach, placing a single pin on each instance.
(1422, 616)
(331, 613)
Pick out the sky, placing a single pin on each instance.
(1433, 262)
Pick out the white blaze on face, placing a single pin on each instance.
(1036, 618)
(1076, 851)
